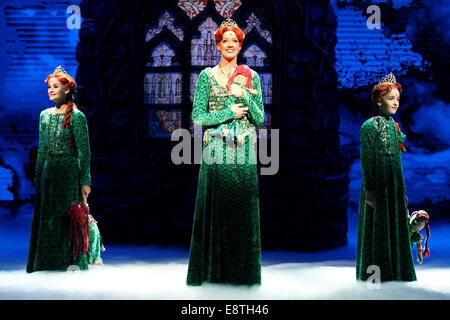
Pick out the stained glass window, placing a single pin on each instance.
(203, 48)
(254, 22)
(266, 86)
(192, 7)
(166, 20)
(227, 7)
(163, 81)
(255, 56)
(162, 88)
(162, 56)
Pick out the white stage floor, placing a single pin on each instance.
(166, 281)
(159, 273)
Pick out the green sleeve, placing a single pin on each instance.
(81, 136)
(367, 134)
(200, 113)
(42, 150)
(416, 237)
(254, 102)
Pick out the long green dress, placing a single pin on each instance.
(225, 244)
(383, 232)
(61, 170)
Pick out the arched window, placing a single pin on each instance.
(181, 44)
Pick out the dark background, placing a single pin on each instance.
(324, 61)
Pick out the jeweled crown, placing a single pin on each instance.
(60, 71)
(390, 78)
(230, 23)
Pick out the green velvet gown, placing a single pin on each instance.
(225, 243)
(383, 232)
(61, 170)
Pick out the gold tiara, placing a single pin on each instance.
(390, 78)
(230, 23)
(60, 71)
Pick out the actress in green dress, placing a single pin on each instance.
(383, 225)
(225, 243)
(62, 177)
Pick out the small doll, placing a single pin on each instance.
(84, 234)
(417, 221)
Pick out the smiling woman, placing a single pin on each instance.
(225, 243)
(229, 41)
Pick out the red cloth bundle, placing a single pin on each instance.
(242, 70)
(79, 223)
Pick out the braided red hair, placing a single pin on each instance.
(402, 146)
(68, 82)
(426, 250)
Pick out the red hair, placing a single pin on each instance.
(219, 34)
(378, 92)
(382, 89)
(68, 82)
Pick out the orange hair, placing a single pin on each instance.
(381, 89)
(218, 35)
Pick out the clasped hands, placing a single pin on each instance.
(237, 91)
